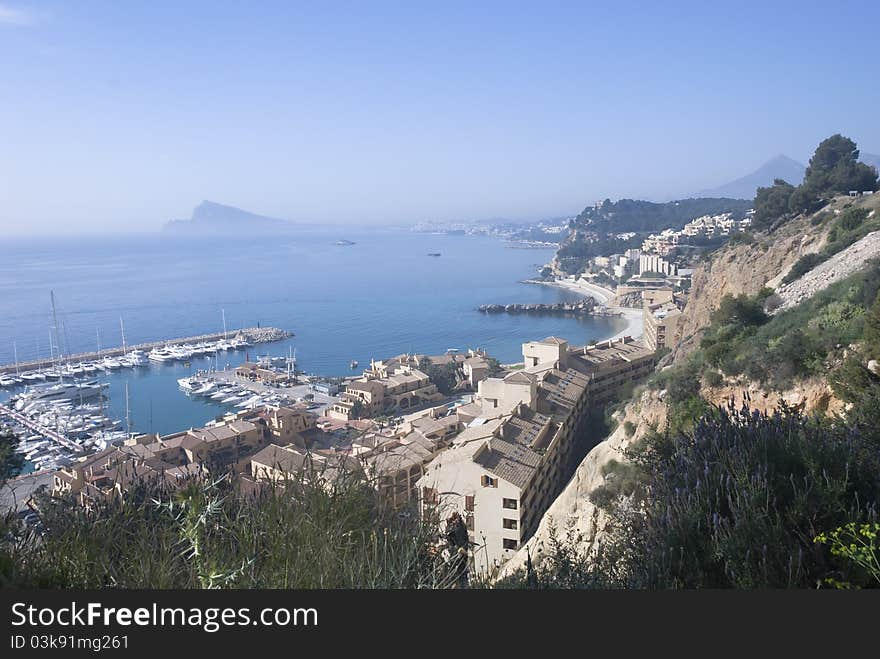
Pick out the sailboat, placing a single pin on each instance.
(133, 358)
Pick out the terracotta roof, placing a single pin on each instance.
(518, 377)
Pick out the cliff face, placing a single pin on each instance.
(573, 509)
(734, 270)
(742, 268)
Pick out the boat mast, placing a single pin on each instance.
(223, 311)
(55, 328)
(122, 327)
(127, 410)
(15, 356)
(98, 339)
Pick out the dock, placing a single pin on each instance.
(48, 433)
(253, 334)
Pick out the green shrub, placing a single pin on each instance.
(738, 500)
(803, 265)
(302, 535)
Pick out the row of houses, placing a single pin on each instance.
(167, 460)
(398, 385)
(721, 224)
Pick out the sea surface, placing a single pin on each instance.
(379, 297)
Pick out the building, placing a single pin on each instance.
(260, 373)
(655, 263)
(169, 459)
(385, 388)
(475, 369)
(661, 322)
(326, 388)
(514, 454)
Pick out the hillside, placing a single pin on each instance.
(594, 232)
(212, 218)
(646, 216)
(688, 383)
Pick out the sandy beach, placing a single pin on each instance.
(633, 317)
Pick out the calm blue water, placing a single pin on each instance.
(377, 298)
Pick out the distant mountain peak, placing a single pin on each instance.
(745, 187)
(212, 217)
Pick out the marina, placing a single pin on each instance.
(176, 349)
(62, 412)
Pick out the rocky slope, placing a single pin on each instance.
(573, 509)
(737, 269)
(839, 266)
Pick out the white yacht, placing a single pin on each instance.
(112, 363)
(8, 381)
(189, 384)
(206, 388)
(66, 391)
(135, 358)
(161, 355)
(181, 352)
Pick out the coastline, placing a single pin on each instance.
(634, 318)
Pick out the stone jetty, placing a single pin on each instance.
(585, 307)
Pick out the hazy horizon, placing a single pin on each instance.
(119, 117)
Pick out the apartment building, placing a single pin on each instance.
(656, 263)
(513, 457)
(166, 460)
(660, 323)
(385, 389)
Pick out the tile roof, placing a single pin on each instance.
(511, 461)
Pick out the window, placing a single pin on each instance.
(488, 481)
(510, 544)
(469, 504)
(510, 504)
(510, 524)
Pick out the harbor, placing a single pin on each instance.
(203, 344)
(61, 410)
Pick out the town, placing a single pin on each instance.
(497, 455)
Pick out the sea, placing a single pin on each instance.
(379, 297)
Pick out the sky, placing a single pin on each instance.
(118, 116)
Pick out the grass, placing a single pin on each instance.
(208, 535)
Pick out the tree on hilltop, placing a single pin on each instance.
(835, 169)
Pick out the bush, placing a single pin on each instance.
(302, 535)
(737, 502)
(740, 310)
(803, 265)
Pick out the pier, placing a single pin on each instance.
(40, 429)
(252, 334)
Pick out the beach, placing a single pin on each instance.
(634, 317)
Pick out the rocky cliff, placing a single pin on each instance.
(572, 509)
(745, 267)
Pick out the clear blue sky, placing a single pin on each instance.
(121, 115)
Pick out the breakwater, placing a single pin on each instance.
(585, 307)
(253, 335)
